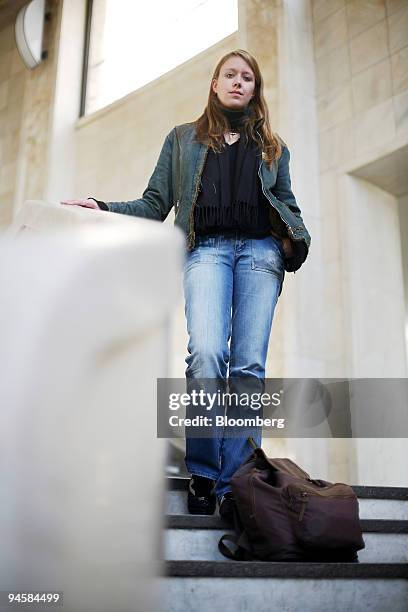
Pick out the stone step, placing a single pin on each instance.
(189, 537)
(241, 586)
(374, 502)
(200, 521)
(268, 569)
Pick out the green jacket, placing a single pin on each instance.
(176, 179)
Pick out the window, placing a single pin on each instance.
(133, 42)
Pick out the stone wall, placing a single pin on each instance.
(361, 66)
(361, 54)
(26, 99)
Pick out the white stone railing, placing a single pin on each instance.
(85, 303)
(47, 217)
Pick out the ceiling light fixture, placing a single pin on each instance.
(29, 33)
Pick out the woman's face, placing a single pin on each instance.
(235, 85)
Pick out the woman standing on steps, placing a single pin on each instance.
(227, 174)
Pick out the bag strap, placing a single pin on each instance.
(281, 465)
(253, 443)
(236, 554)
(239, 554)
(241, 545)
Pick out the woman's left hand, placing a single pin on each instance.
(287, 247)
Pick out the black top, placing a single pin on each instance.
(204, 223)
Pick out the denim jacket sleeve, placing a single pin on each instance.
(157, 199)
(283, 189)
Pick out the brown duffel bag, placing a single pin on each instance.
(281, 514)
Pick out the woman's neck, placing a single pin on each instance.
(234, 116)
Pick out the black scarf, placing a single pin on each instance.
(228, 201)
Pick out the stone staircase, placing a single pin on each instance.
(197, 577)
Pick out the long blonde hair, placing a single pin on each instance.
(212, 124)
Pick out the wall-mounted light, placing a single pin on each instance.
(29, 33)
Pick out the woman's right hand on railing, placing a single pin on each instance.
(85, 203)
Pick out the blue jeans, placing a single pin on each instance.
(231, 286)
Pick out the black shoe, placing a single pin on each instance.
(226, 507)
(201, 498)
